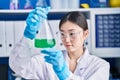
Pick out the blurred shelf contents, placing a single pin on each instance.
(14, 4)
(114, 3)
(28, 5)
(58, 4)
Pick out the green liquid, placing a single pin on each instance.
(44, 43)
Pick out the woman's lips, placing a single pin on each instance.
(68, 45)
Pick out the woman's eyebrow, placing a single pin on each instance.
(68, 30)
(72, 30)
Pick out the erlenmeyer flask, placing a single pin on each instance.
(44, 37)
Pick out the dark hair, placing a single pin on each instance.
(75, 17)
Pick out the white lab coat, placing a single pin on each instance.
(29, 63)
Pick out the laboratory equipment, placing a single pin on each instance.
(98, 3)
(41, 3)
(57, 4)
(103, 3)
(44, 38)
(28, 5)
(33, 20)
(73, 4)
(14, 4)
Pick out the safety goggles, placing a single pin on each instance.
(71, 35)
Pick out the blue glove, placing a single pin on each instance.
(33, 21)
(55, 57)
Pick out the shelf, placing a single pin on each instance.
(53, 14)
(56, 10)
(8, 15)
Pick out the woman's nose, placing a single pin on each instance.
(67, 38)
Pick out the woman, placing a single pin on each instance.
(76, 63)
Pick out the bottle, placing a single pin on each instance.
(41, 3)
(28, 5)
(44, 37)
(14, 4)
(103, 3)
(75, 4)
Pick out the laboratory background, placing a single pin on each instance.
(103, 17)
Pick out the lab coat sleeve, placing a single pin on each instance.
(100, 74)
(20, 59)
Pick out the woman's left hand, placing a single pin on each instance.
(55, 57)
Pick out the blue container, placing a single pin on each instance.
(98, 3)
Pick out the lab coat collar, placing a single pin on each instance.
(82, 61)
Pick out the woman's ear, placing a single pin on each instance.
(86, 33)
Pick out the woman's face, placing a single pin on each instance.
(72, 36)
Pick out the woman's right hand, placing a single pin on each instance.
(34, 20)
